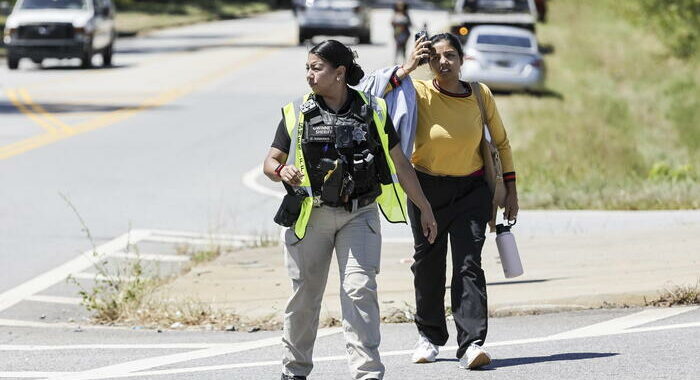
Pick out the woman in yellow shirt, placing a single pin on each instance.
(450, 169)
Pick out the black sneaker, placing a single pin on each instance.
(288, 377)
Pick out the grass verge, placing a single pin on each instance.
(130, 23)
(618, 128)
(677, 296)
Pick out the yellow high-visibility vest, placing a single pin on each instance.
(392, 200)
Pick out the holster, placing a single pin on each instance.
(289, 210)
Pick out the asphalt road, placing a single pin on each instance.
(595, 344)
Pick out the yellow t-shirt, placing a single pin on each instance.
(449, 131)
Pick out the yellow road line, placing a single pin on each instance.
(22, 108)
(65, 128)
(114, 117)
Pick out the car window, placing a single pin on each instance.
(346, 3)
(99, 4)
(497, 39)
(496, 6)
(53, 4)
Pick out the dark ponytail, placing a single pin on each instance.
(354, 74)
(337, 54)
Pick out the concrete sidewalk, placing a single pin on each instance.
(566, 270)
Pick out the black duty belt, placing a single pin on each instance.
(352, 205)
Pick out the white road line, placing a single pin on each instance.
(204, 241)
(150, 257)
(28, 375)
(100, 277)
(58, 274)
(250, 180)
(55, 299)
(57, 325)
(343, 357)
(626, 322)
(204, 236)
(551, 338)
(659, 328)
(69, 347)
(127, 369)
(114, 248)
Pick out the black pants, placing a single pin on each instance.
(462, 207)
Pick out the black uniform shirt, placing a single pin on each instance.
(313, 152)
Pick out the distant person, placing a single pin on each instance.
(449, 165)
(401, 23)
(336, 149)
(541, 6)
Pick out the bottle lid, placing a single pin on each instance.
(500, 228)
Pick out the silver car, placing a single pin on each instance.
(334, 18)
(39, 29)
(504, 58)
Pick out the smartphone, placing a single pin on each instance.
(422, 33)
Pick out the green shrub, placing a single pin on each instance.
(677, 22)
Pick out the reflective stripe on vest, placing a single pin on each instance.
(392, 200)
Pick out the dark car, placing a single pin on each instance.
(333, 18)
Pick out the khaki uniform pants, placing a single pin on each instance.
(356, 238)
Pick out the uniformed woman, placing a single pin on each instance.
(337, 151)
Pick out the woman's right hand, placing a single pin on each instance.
(291, 175)
(421, 50)
(427, 221)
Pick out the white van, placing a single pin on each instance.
(39, 29)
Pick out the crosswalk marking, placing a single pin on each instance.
(55, 299)
(128, 369)
(59, 274)
(623, 323)
(118, 248)
(150, 257)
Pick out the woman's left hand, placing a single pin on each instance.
(511, 207)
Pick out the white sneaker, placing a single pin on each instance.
(475, 357)
(425, 352)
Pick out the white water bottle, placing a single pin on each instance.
(508, 251)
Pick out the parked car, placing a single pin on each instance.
(505, 58)
(468, 14)
(333, 17)
(39, 29)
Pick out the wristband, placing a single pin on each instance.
(279, 169)
(394, 79)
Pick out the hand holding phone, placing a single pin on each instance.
(422, 33)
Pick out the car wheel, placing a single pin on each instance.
(365, 37)
(12, 62)
(86, 60)
(107, 55)
(303, 36)
(37, 61)
(86, 57)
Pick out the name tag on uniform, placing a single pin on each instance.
(319, 132)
